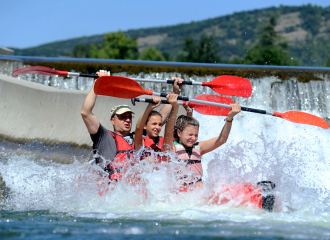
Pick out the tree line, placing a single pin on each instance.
(118, 46)
(270, 49)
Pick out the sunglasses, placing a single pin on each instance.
(123, 118)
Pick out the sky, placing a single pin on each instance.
(28, 23)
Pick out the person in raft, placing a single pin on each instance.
(115, 146)
(181, 137)
(150, 124)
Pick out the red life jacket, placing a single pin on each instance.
(124, 154)
(149, 144)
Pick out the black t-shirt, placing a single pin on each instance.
(105, 145)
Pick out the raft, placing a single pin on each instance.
(259, 196)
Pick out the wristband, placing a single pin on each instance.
(226, 120)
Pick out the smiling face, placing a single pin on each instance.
(188, 136)
(153, 126)
(122, 123)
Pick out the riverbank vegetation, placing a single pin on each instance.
(305, 29)
(269, 50)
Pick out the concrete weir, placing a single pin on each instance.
(31, 111)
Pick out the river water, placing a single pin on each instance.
(54, 193)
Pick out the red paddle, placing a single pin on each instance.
(225, 85)
(200, 108)
(127, 88)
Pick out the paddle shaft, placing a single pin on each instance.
(225, 85)
(148, 100)
(166, 81)
(76, 74)
(217, 104)
(163, 101)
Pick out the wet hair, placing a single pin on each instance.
(152, 113)
(181, 123)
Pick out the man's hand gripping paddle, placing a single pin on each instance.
(225, 85)
(122, 87)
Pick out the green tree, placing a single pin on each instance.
(116, 46)
(205, 51)
(167, 56)
(152, 54)
(189, 51)
(81, 51)
(208, 51)
(311, 17)
(328, 63)
(236, 60)
(270, 50)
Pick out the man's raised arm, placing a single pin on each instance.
(92, 123)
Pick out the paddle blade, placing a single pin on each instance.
(211, 110)
(303, 118)
(35, 70)
(231, 86)
(121, 87)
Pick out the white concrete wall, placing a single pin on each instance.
(31, 111)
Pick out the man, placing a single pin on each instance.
(115, 146)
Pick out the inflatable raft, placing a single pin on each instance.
(260, 195)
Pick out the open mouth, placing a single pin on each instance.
(156, 132)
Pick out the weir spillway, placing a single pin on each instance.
(277, 88)
(49, 110)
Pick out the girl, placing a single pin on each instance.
(181, 137)
(149, 125)
(151, 122)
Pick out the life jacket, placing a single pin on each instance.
(149, 144)
(193, 160)
(123, 155)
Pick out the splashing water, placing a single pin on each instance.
(293, 156)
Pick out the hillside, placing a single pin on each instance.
(305, 28)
